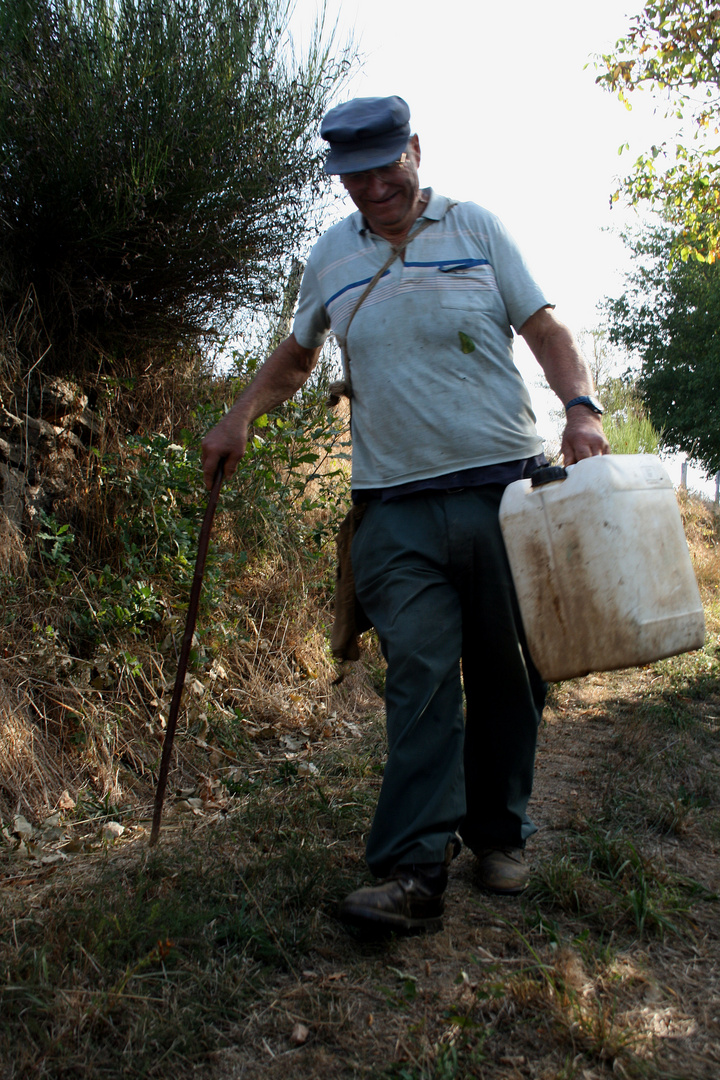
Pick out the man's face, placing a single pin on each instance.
(388, 197)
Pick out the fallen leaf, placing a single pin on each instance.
(66, 801)
(299, 1035)
(306, 768)
(112, 830)
(48, 860)
(22, 827)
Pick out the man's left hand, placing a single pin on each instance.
(583, 436)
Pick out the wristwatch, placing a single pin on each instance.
(591, 403)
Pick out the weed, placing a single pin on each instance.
(605, 880)
(443, 1061)
(57, 537)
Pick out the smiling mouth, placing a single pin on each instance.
(383, 202)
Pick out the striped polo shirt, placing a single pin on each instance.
(435, 387)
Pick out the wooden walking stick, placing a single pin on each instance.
(185, 650)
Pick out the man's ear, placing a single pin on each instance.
(414, 145)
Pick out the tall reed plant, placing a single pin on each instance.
(159, 162)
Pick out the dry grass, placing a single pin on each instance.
(13, 557)
(700, 519)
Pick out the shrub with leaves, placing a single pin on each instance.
(127, 555)
(293, 483)
(158, 162)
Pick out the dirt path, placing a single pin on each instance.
(581, 978)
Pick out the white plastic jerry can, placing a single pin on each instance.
(601, 566)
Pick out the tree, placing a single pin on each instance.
(669, 316)
(673, 49)
(159, 162)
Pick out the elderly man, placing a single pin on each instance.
(422, 294)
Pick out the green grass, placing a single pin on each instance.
(167, 950)
(605, 881)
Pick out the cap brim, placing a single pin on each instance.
(349, 158)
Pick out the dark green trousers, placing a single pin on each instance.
(432, 574)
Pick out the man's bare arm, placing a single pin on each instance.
(569, 376)
(282, 374)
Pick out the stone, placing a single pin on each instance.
(59, 397)
(40, 435)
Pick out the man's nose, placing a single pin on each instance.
(377, 188)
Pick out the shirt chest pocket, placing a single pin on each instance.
(469, 285)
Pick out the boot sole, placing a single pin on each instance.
(515, 891)
(378, 922)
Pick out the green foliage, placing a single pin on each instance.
(287, 497)
(158, 162)
(672, 49)
(633, 436)
(292, 485)
(57, 539)
(668, 316)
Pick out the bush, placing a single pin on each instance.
(119, 559)
(158, 162)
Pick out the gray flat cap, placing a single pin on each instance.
(365, 133)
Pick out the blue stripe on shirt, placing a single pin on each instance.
(453, 264)
(352, 285)
(444, 265)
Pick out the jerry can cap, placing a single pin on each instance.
(547, 475)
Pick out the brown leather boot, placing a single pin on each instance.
(502, 872)
(409, 901)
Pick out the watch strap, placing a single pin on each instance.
(584, 400)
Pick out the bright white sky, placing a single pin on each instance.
(509, 116)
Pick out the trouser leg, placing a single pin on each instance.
(504, 693)
(432, 574)
(399, 561)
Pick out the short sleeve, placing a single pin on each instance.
(520, 292)
(312, 322)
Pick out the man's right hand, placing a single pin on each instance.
(228, 439)
(284, 372)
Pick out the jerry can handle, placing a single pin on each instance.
(547, 474)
